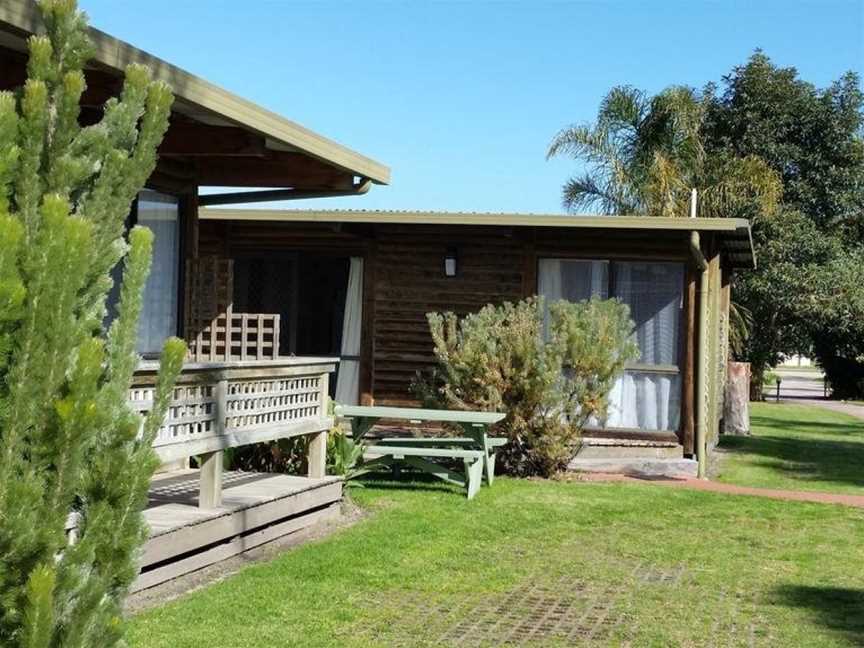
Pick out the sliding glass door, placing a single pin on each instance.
(648, 395)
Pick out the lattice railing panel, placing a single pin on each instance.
(190, 416)
(218, 401)
(254, 403)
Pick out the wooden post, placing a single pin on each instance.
(210, 495)
(210, 485)
(317, 453)
(688, 368)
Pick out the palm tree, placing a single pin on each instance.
(645, 154)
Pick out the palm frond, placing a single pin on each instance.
(586, 193)
(623, 107)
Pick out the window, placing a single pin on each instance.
(160, 213)
(648, 395)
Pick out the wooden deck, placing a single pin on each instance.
(256, 508)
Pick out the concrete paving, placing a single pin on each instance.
(804, 387)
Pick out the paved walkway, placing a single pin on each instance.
(732, 489)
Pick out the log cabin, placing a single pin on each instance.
(358, 285)
(272, 302)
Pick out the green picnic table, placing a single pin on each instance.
(476, 449)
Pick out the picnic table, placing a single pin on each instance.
(476, 449)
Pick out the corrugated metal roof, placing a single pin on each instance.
(734, 232)
(206, 101)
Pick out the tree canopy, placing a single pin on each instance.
(762, 144)
(807, 293)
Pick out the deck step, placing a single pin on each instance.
(594, 448)
(649, 467)
(257, 508)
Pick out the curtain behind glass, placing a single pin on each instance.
(650, 400)
(573, 280)
(348, 378)
(653, 291)
(160, 213)
(647, 400)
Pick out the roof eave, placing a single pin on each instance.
(737, 229)
(23, 16)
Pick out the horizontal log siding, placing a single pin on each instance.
(494, 264)
(410, 283)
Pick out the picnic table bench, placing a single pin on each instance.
(476, 449)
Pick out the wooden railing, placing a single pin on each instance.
(219, 405)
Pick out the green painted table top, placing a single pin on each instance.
(416, 414)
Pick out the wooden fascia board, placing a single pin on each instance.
(23, 16)
(641, 223)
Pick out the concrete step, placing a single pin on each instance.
(595, 448)
(649, 467)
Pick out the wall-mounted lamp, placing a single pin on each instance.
(450, 262)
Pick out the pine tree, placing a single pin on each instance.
(69, 443)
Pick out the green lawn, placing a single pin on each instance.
(797, 447)
(534, 561)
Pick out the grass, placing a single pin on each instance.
(797, 447)
(627, 564)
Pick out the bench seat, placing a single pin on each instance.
(419, 457)
(494, 442)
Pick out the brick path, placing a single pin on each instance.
(732, 489)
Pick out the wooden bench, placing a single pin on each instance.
(476, 449)
(491, 444)
(419, 458)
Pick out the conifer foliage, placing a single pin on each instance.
(69, 444)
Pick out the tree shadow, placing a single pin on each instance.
(839, 609)
(774, 422)
(832, 462)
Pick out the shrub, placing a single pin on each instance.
(549, 385)
(279, 456)
(69, 442)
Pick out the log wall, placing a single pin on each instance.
(404, 277)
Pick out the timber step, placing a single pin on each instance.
(647, 467)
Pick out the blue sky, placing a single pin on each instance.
(461, 99)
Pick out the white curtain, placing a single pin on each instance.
(160, 213)
(647, 400)
(573, 280)
(348, 379)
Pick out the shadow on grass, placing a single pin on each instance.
(839, 609)
(791, 422)
(837, 462)
(415, 481)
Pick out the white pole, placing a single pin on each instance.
(693, 203)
